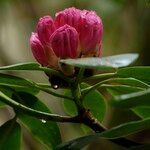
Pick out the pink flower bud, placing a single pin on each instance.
(64, 42)
(91, 30)
(70, 16)
(45, 28)
(88, 25)
(38, 50)
(74, 33)
(43, 54)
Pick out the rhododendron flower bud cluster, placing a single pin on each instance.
(73, 33)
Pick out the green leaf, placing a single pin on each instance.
(13, 80)
(121, 89)
(93, 101)
(2, 104)
(22, 66)
(142, 111)
(86, 129)
(132, 100)
(127, 129)
(7, 92)
(17, 83)
(128, 81)
(116, 132)
(33, 67)
(142, 147)
(141, 73)
(104, 63)
(46, 132)
(69, 106)
(10, 134)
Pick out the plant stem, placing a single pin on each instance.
(80, 75)
(90, 121)
(44, 85)
(53, 93)
(95, 86)
(36, 113)
(96, 126)
(100, 76)
(91, 88)
(76, 91)
(57, 73)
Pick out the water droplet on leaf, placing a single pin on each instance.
(55, 86)
(43, 121)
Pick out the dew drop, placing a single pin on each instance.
(55, 86)
(43, 121)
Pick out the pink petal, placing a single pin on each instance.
(38, 49)
(45, 28)
(64, 42)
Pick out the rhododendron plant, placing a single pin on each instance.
(68, 50)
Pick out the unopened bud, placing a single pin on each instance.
(45, 28)
(38, 50)
(64, 42)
